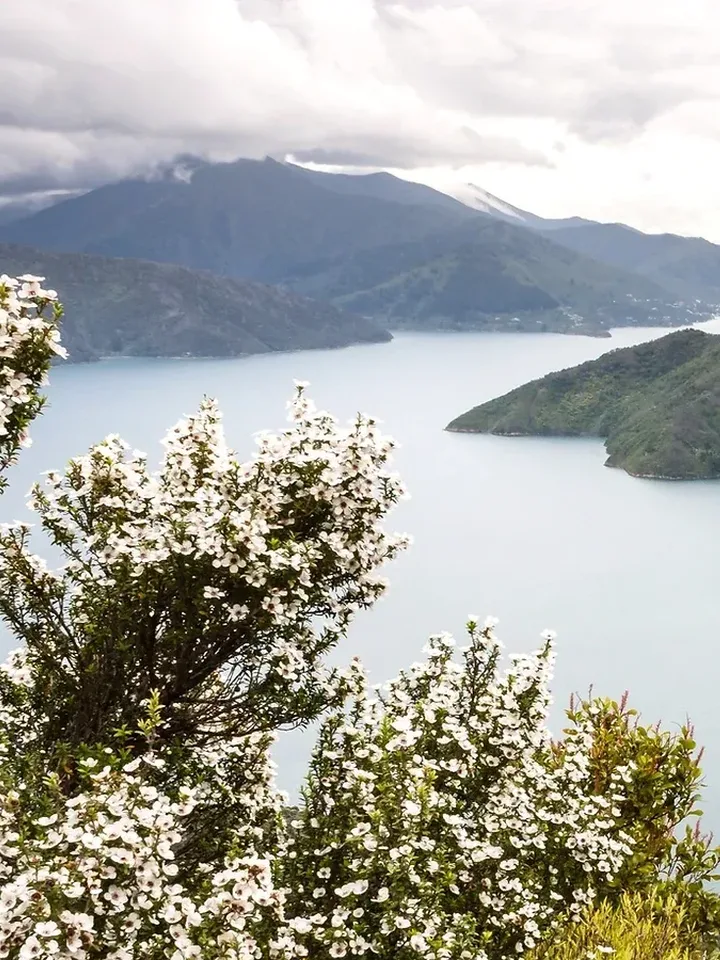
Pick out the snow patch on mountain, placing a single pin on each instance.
(485, 202)
(474, 196)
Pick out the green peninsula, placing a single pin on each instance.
(657, 406)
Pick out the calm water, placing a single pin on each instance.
(533, 531)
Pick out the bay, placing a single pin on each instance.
(534, 531)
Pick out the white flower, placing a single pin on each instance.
(418, 942)
(402, 724)
(31, 948)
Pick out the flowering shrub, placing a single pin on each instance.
(671, 857)
(441, 820)
(138, 812)
(250, 569)
(28, 340)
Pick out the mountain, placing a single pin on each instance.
(400, 252)
(137, 308)
(687, 266)
(657, 405)
(489, 274)
(253, 219)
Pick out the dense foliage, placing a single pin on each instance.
(657, 405)
(139, 817)
(640, 927)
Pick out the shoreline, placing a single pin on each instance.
(583, 436)
(394, 331)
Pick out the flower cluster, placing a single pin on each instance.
(169, 853)
(28, 340)
(102, 873)
(440, 820)
(253, 569)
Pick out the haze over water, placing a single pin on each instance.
(534, 531)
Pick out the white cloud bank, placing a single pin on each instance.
(605, 109)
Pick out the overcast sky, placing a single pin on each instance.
(609, 109)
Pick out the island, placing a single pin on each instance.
(656, 405)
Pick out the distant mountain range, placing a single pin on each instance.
(137, 308)
(686, 266)
(657, 405)
(395, 252)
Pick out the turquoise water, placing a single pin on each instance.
(536, 532)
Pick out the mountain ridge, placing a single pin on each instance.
(126, 307)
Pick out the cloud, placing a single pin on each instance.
(405, 153)
(91, 90)
(621, 113)
(597, 67)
